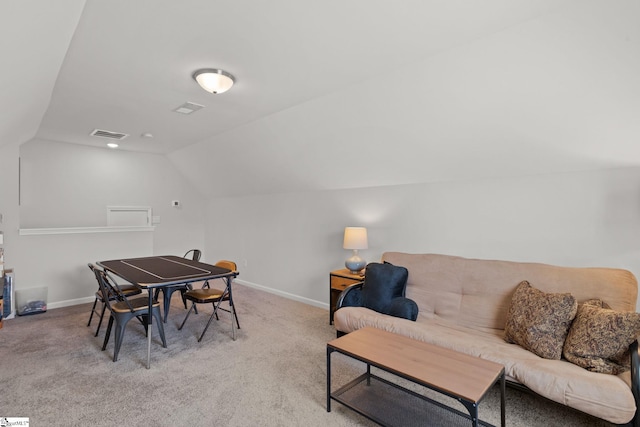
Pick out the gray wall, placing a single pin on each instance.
(491, 149)
(289, 242)
(9, 154)
(541, 97)
(551, 91)
(68, 185)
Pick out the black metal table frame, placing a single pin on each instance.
(228, 277)
(367, 376)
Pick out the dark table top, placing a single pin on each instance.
(163, 270)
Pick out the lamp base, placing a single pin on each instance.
(355, 264)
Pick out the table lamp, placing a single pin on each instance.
(355, 238)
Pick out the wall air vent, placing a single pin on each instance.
(108, 134)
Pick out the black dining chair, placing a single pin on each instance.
(195, 255)
(208, 295)
(123, 309)
(128, 290)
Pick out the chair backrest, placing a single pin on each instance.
(105, 288)
(223, 263)
(196, 254)
(229, 265)
(95, 271)
(110, 289)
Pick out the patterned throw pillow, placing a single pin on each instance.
(599, 338)
(539, 321)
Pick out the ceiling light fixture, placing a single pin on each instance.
(112, 145)
(214, 80)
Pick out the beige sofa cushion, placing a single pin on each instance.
(476, 293)
(539, 321)
(605, 396)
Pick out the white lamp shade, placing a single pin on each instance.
(355, 238)
(214, 80)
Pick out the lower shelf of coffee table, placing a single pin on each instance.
(389, 404)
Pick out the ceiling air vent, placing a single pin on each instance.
(188, 108)
(108, 134)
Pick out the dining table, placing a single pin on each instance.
(154, 272)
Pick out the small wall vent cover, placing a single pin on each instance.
(108, 134)
(188, 108)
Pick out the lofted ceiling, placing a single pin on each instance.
(74, 66)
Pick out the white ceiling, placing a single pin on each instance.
(73, 66)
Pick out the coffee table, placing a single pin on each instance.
(464, 378)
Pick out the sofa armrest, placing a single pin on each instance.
(350, 294)
(635, 380)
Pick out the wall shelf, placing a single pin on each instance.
(83, 230)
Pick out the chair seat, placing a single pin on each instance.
(208, 295)
(123, 309)
(137, 304)
(128, 290)
(205, 295)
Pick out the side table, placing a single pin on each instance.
(338, 281)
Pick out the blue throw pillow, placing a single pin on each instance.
(403, 307)
(353, 298)
(383, 283)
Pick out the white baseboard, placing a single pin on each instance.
(67, 303)
(60, 304)
(284, 294)
(70, 302)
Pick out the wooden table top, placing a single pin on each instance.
(457, 374)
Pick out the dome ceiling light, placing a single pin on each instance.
(214, 80)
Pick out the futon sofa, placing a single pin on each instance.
(465, 305)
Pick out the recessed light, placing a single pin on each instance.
(112, 145)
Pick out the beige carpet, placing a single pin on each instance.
(53, 371)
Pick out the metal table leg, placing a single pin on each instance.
(232, 310)
(502, 403)
(329, 351)
(149, 328)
